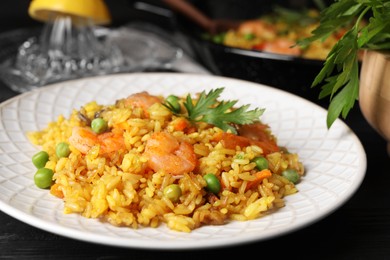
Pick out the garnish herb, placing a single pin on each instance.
(222, 114)
(340, 73)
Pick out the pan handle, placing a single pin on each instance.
(153, 7)
(171, 9)
(154, 11)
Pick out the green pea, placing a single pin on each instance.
(249, 36)
(99, 125)
(213, 184)
(291, 175)
(173, 102)
(261, 162)
(40, 159)
(43, 178)
(218, 38)
(62, 150)
(172, 192)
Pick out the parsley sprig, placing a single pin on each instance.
(207, 108)
(340, 73)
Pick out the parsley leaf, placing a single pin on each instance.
(222, 114)
(340, 73)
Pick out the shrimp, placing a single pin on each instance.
(252, 134)
(259, 135)
(258, 28)
(165, 152)
(83, 139)
(282, 46)
(142, 100)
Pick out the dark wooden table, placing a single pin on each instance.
(359, 229)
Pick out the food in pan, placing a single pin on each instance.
(278, 32)
(148, 160)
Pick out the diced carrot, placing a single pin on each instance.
(260, 176)
(56, 191)
(259, 46)
(182, 124)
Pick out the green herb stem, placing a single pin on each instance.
(340, 73)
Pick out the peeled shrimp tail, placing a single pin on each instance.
(83, 139)
(166, 153)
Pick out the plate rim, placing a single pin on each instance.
(65, 231)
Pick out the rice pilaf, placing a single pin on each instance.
(122, 175)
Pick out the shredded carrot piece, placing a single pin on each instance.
(181, 124)
(56, 191)
(260, 176)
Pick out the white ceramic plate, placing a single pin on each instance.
(335, 160)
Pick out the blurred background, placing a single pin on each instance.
(294, 76)
(364, 220)
(154, 47)
(14, 14)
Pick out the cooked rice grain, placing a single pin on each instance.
(120, 188)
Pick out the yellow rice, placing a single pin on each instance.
(116, 188)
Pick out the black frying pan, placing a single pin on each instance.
(285, 72)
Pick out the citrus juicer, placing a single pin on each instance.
(68, 45)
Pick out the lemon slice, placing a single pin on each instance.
(45, 10)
